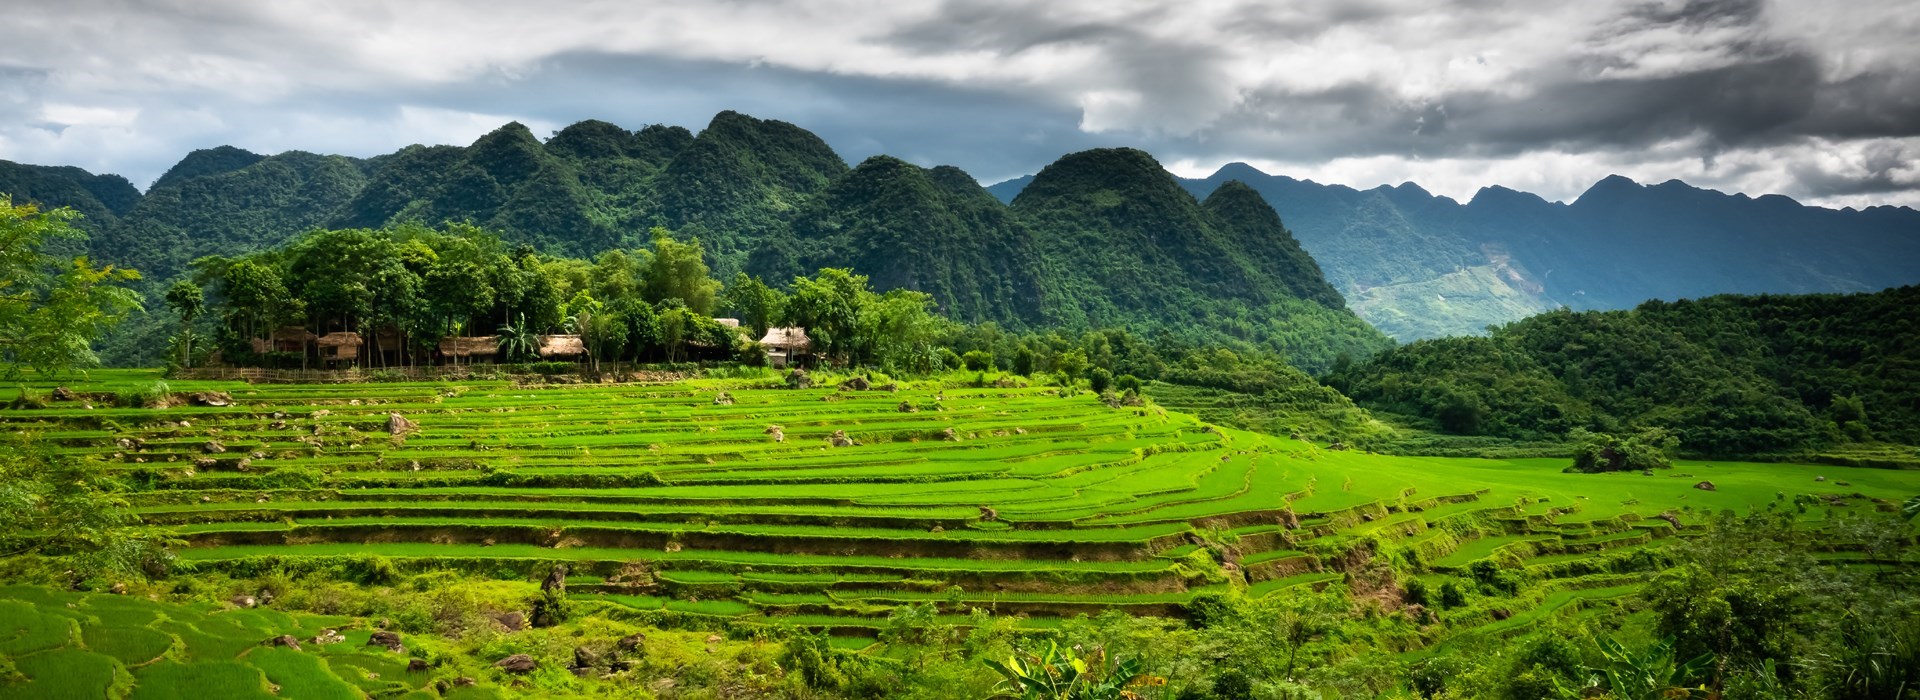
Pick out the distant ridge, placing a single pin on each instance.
(1103, 239)
(1418, 265)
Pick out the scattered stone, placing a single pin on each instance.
(949, 435)
(630, 642)
(1019, 431)
(211, 398)
(256, 454)
(416, 665)
(61, 393)
(1366, 517)
(855, 384)
(672, 547)
(798, 379)
(584, 657)
(204, 463)
(118, 589)
(1289, 519)
(553, 588)
(399, 425)
(285, 640)
(517, 664)
(354, 402)
(1819, 478)
(937, 530)
(464, 682)
(245, 465)
(908, 407)
(277, 425)
(386, 638)
(1337, 446)
(723, 399)
(777, 433)
(988, 513)
(322, 412)
(840, 439)
(1841, 483)
(889, 387)
(244, 601)
(1671, 519)
(1705, 486)
(512, 621)
(213, 447)
(1501, 613)
(329, 636)
(206, 499)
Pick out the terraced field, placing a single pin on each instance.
(667, 499)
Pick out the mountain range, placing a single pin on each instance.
(1099, 238)
(1417, 265)
(1102, 238)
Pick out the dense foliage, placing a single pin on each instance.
(52, 309)
(1724, 375)
(1109, 247)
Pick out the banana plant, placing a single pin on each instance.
(1651, 674)
(1060, 674)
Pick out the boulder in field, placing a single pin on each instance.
(517, 664)
(1705, 486)
(285, 640)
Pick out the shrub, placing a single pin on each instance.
(1129, 383)
(950, 360)
(155, 395)
(978, 360)
(1452, 595)
(28, 398)
(1100, 379)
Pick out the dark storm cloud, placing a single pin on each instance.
(1754, 95)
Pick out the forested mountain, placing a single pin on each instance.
(1418, 265)
(1728, 375)
(1105, 238)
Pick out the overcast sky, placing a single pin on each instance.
(1811, 98)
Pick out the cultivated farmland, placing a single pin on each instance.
(740, 502)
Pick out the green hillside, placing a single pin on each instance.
(1725, 375)
(739, 506)
(1107, 240)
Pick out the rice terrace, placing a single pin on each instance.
(738, 504)
(1072, 350)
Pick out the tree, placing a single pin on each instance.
(829, 305)
(679, 271)
(757, 305)
(674, 323)
(68, 508)
(187, 300)
(51, 313)
(1600, 452)
(978, 360)
(1023, 361)
(519, 342)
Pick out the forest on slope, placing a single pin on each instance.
(1417, 265)
(1109, 240)
(1723, 376)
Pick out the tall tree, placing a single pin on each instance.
(187, 300)
(50, 313)
(757, 304)
(679, 271)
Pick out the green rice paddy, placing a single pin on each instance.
(1020, 500)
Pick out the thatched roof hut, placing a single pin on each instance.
(339, 345)
(562, 346)
(470, 346)
(284, 339)
(792, 339)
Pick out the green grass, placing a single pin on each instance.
(1060, 505)
(169, 680)
(62, 674)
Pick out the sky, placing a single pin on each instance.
(1813, 99)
